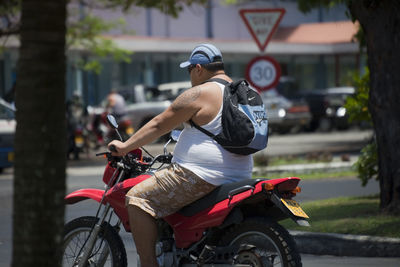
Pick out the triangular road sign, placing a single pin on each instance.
(262, 23)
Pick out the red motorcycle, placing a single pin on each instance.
(234, 225)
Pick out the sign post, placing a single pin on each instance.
(262, 72)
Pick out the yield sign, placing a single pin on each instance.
(262, 23)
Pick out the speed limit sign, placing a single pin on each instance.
(263, 72)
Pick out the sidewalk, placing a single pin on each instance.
(346, 245)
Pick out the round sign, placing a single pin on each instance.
(263, 72)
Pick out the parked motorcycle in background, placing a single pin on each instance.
(235, 225)
(124, 127)
(76, 127)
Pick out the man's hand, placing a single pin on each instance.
(119, 146)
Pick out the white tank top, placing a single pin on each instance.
(203, 156)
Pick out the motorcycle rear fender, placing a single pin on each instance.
(82, 194)
(278, 203)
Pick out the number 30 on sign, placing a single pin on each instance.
(263, 72)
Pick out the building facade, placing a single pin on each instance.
(317, 48)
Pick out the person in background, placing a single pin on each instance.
(116, 105)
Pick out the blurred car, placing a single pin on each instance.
(172, 90)
(146, 102)
(327, 108)
(287, 111)
(7, 131)
(285, 115)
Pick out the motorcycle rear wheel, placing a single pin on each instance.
(77, 231)
(272, 244)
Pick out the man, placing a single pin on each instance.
(116, 105)
(199, 164)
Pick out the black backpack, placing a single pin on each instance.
(244, 119)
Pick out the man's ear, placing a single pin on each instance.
(199, 68)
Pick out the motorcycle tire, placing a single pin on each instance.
(76, 233)
(270, 243)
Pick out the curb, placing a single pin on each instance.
(346, 245)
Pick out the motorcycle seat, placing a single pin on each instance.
(217, 195)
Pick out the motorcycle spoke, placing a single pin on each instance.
(99, 256)
(265, 253)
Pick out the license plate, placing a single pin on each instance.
(78, 141)
(294, 207)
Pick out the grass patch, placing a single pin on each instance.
(314, 157)
(348, 215)
(314, 175)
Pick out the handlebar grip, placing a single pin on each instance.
(112, 148)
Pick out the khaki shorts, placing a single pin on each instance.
(168, 191)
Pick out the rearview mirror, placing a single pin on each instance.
(111, 120)
(175, 135)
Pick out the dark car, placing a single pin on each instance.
(7, 130)
(327, 108)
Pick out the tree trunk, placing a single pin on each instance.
(380, 20)
(40, 140)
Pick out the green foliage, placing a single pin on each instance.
(357, 105)
(86, 34)
(9, 14)
(307, 5)
(9, 7)
(170, 7)
(367, 163)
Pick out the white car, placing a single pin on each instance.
(146, 102)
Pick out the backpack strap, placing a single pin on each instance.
(192, 123)
(218, 80)
(201, 129)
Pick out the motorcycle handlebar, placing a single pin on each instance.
(164, 158)
(112, 148)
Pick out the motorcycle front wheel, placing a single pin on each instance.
(263, 243)
(108, 250)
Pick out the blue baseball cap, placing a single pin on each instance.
(203, 54)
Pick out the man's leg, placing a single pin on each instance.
(144, 231)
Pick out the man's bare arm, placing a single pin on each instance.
(181, 110)
(186, 98)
